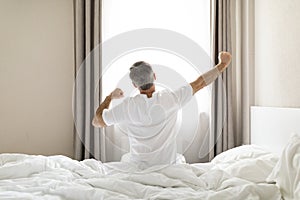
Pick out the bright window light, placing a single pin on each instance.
(187, 17)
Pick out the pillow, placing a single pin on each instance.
(249, 162)
(240, 153)
(286, 173)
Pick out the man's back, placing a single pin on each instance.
(151, 124)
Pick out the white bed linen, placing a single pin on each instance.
(286, 173)
(59, 177)
(250, 162)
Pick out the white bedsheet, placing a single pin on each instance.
(59, 177)
(286, 173)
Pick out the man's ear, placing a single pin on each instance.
(154, 75)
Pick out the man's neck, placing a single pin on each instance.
(148, 92)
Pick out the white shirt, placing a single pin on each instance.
(151, 124)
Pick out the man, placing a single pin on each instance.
(150, 118)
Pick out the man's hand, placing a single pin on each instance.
(211, 75)
(224, 60)
(224, 57)
(117, 94)
(98, 120)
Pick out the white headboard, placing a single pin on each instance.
(272, 127)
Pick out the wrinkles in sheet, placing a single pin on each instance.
(59, 177)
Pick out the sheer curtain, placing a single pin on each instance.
(88, 141)
(232, 96)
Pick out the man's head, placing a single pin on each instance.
(142, 75)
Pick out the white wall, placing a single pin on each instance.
(277, 53)
(36, 74)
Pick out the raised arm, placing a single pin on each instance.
(210, 76)
(98, 120)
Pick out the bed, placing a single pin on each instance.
(256, 171)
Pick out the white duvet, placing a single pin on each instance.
(59, 177)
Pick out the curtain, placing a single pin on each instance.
(232, 93)
(88, 141)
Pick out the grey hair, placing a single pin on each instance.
(141, 74)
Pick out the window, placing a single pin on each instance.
(190, 18)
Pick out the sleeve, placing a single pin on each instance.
(115, 115)
(184, 95)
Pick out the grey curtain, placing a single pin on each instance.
(223, 137)
(232, 94)
(88, 141)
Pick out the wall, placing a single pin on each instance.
(277, 53)
(36, 74)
